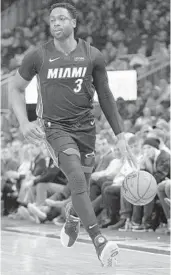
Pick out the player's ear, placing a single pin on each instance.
(74, 23)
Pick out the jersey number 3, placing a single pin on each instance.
(79, 83)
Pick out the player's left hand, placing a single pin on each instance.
(126, 151)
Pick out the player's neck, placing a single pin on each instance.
(66, 46)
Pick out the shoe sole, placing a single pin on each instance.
(65, 238)
(109, 255)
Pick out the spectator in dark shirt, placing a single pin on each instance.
(160, 161)
(45, 185)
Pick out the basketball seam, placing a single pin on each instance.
(139, 200)
(145, 191)
(149, 197)
(143, 202)
(138, 185)
(147, 188)
(140, 197)
(129, 190)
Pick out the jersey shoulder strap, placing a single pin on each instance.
(87, 49)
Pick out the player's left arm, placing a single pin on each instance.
(105, 96)
(109, 107)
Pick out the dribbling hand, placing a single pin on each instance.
(126, 152)
(32, 132)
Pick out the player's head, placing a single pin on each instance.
(63, 18)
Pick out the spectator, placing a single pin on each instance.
(99, 178)
(9, 177)
(157, 133)
(146, 119)
(7, 162)
(160, 165)
(152, 101)
(164, 197)
(45, 185)
(52, 208)
(144, 47)
(124, 30)
(24, 171)
(112, 194)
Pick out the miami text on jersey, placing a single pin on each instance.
(66, 72)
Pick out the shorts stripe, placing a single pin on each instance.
(52, 153)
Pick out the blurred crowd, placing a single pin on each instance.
(6, 3)
(32, 188)
(117, 28)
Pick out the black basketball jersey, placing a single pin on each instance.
(65, 88)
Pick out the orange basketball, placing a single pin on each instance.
(139, 188)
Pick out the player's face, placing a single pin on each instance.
(61, 23)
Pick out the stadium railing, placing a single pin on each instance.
(155, 73)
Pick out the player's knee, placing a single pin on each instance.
(88, 161)
(77, 182)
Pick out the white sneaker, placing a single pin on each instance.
(70, 229)
(107, 251)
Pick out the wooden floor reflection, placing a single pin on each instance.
(32, 255)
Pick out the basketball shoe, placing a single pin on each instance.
(71, 228)
(107, 251)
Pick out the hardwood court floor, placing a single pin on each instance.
(24, 254)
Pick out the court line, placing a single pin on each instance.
(144, 268)
(118, 269)
(147, 252)
(81, 242)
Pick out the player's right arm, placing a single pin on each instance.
(29, 68)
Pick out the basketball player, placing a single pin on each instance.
(68, 71)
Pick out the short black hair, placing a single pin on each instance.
(71, 9)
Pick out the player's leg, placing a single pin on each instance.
(87, 164)
(60, 148)
(72, 168)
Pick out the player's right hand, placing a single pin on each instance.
(32, 132)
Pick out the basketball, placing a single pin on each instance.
(139, 188)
